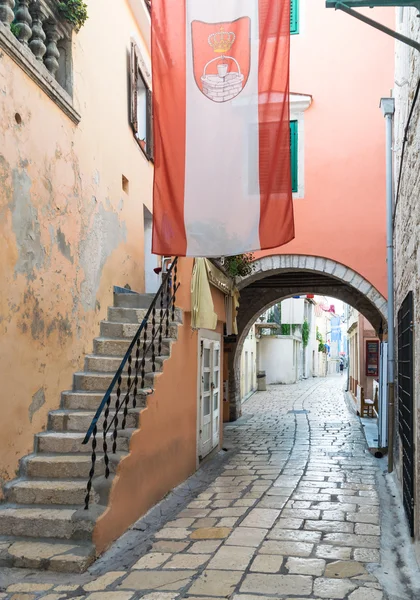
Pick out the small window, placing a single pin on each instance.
(274, 21)
(294, 16)
(141, 105)
(294, 163)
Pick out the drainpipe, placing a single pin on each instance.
(388, 109)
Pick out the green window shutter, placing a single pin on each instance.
(294, 16)
(294, 155)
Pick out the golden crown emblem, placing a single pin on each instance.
(222, 41)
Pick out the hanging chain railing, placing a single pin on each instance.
(127, 389)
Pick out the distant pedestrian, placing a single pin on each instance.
(341, 367)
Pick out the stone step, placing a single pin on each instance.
(57, 442)
(44, 522)
(51, 555)
(98, 382)
(66, 466)
(128, 330)
(91, 400)
(46, 492)
(133, 300)
(118, 347)
(136, 315)
(70, 420)
(111, 364)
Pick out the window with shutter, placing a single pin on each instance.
(294, 16)
(267, 137)
(141, 104)
(294, 163)
(275, 16)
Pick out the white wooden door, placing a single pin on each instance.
(209, 396)
(215, 388)
(206, 433)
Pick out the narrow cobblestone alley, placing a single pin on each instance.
(293, 512)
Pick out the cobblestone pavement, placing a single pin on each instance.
(293, 514)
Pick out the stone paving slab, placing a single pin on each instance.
(292, 511)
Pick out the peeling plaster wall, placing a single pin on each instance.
(407, 216)
(69, 232)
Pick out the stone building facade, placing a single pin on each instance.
(407, 230)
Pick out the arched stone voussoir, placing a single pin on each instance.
(277, 277)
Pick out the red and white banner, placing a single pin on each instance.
(221, 126)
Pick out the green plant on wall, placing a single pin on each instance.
(285, 329)
(239, 265)
(75, 11)
(305, 334)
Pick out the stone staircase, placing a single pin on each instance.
(42, 521)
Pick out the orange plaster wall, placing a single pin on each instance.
(347, 67)
(69, 232)
(163, 452)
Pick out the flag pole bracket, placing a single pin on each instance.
(347, 8)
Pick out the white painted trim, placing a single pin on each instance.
(299, 103)
(142, 18)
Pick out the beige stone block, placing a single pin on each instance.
(274, 502)
(164, 546)
(39, 550)
(343, 569)
(330, 526)
(198, 504)
(160, 596)
(110, 596)
(366, 593)
(351, 539)
(180, 523)
(162, 580)
(287, 548)
(305, 566)
(277, 584)
(246, 536)
(66, 588)
(196, 513)
(245, 502)
(367, 529)
(187, 561)
(289, 523)
(363, 518)
(210, 533)
(50, 596)
(235, 558)
(261, 517)
(367, 555)
(152, 560)
(19, 596)
(294, 535)
(29, 587)
(333, 552)
(215, 583)
(206, 522)
(228, 522)
(333, 588)
(205, 547)
(267, 563)
(104, 581)
(237, 511)
(172, 533)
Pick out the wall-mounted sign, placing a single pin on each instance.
(372, 358)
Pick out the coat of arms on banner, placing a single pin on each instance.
(221, 57)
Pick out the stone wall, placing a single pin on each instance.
(407, 211)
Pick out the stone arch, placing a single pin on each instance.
(277, 277)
